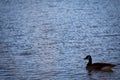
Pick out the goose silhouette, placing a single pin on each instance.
(107, 67)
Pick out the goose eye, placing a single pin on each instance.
(88, 57)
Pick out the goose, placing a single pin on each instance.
(107, 67)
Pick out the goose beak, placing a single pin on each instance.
(85, 58)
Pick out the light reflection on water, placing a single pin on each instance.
(43, 40)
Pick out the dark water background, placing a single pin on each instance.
(48, 39)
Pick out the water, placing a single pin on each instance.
(48, 39)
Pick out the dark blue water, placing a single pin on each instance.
(48, 39)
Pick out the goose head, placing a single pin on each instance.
(88, 57)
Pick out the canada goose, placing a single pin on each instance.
(98, 66)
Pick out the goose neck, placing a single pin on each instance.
(90, 61)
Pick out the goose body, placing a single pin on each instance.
(98, 66)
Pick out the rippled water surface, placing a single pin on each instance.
(48, 39)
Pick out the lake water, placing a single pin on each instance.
(48, 39)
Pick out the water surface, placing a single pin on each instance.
(48, 39)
